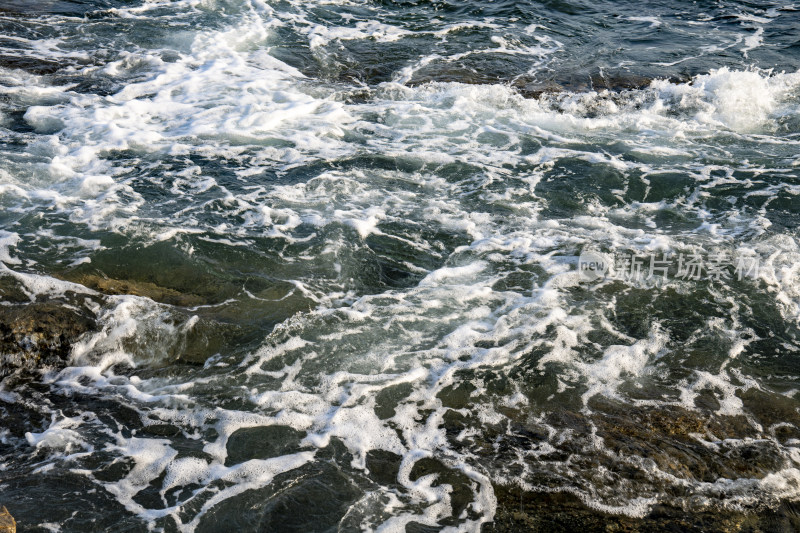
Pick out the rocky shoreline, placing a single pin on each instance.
(39, 334)
(559, 512)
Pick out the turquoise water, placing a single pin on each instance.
(333, 255)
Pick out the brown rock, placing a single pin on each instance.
(135, 288)
(7, 522)
(40, 334)
(520, 510)
(533, 89)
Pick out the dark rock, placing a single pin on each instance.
(667, 437)
(530, 87)
(453, 74)
(317, 502)
(383, 467)
(33, 65)
(40, 334)
(519, 510)
(80, 506)
(11, 291)
(387, 400)
(461, 493)
(533, 89)
(619, 81)
(25, 8)
(664, 435)
(262, 442)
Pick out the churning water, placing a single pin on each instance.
(329, 255)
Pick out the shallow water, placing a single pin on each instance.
(333, 254)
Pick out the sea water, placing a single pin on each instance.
(334, 253)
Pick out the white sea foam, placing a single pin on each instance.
(61, 436)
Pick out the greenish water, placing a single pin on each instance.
(330, 253)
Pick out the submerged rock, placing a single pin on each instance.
(530, 87)
(619, 81)
(519, 510)
(580, 83)
(533, 89)
(34, 65)
(453, 74)
(44, 7)
(161, 272)
(155, 292)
